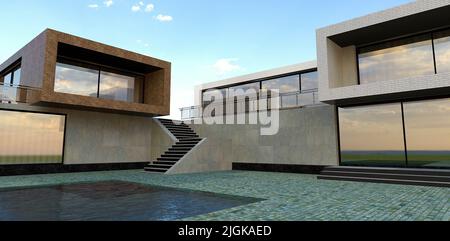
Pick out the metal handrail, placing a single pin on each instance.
(193, 112)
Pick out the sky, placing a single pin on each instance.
(205, 40)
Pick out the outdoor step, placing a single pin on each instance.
(168, 159)
(396, 176)
(181, 146)
(177, 152)
(193, 139)
(173, 155)
(184, 137)
(412, 171)
(181, 142)
(189, 132)
(165, 163)
(385, 180)
(162, 166)
(155, 169)
(180, 149)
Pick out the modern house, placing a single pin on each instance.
(383, 108)
(71, 104)
(375, 106)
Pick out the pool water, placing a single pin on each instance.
(110, 201)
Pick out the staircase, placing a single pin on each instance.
(406, 176)
(186, 140)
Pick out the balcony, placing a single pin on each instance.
(16, 94)
(290, 100)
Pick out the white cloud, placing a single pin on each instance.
(223, 66)
(149, 7)
(93, 6)
(164, 18)
(136, 8)
(108, 3)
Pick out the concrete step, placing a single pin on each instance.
(412, 171)
(397, 176)
(155, 169)
(165, 162)
(384, 180)
(173, 159)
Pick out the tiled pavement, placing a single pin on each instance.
(287, 196)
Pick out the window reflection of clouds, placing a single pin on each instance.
(310, 81)
(116, 87)
(415, 59)
(284, 85)
(442, 50)
(30, 134)
(371, 128)
(76, 80)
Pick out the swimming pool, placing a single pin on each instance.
(110, 201)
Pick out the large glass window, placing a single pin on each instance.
(310, 81)
(396, 60)
(286, 84)
(30, 138)
(442, 51)
(116, 87)
(71, 79)
(372, 135)
(427, 126)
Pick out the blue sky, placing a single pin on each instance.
(206, 40)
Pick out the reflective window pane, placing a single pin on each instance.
(427, 125)
(116, 87)
(7, 79)
(442, 51)
(396, 60)
(244, 89)
(30, 138)
(16, 77)
(310, 81)
(372, 135)
(286, 84)
(76, 80)
(305, 99)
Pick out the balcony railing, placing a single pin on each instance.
(13, 94)
(287, 100)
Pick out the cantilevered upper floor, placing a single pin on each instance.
(399, 53)
(61, 70)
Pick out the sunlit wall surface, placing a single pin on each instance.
(396, 60)
(427, 125)
(372, 135)
(31, 138)
(442, 50)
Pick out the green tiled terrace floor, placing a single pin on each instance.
(288, 196)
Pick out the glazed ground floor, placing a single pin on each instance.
(282, 196)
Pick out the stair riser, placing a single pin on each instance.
(402, 182)
(384, 176)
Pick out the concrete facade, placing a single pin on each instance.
(307, 136)
(106, 138)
